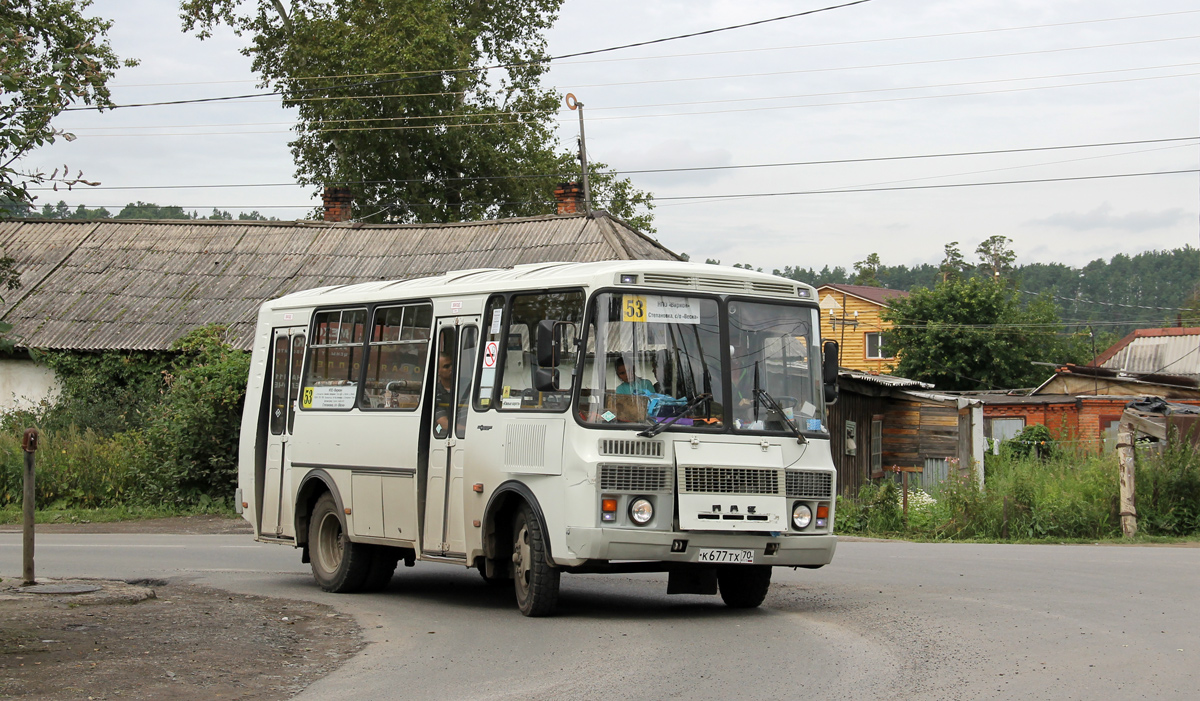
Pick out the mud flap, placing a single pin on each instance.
(691, 579)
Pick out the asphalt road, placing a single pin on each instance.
(885, 620)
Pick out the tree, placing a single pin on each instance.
(866, 272)
(149, 210)
(975, 334)
(996, 257)
(953, 264)
(408, 112)
(52, 56)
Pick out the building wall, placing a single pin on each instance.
(1082, 422)
(853, 470)
(25, 384)
(851, 338)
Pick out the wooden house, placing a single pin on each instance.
(850, 315)
(881, 422)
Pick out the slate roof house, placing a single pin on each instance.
(140, 285)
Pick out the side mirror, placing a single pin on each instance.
(829, 370)
(545, 379)
(549, 343)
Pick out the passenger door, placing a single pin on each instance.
(287, 355)
(457, 343)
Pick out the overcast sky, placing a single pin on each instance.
(882, 79)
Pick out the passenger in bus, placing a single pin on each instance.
(637, 385)
(443, 398)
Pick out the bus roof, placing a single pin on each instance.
(650, 274)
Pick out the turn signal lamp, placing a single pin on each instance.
(822, 515)
(608, 509)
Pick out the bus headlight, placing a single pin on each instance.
(641, 511)
(801, 516)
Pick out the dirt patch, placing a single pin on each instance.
(155, 640)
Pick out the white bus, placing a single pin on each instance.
(621, 416)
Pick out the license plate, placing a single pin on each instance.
(726, 556)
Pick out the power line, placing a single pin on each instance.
(442, 73)
(925, 187)
(745, 196)
(687, 114)
(474, 115)
(1109, 304)
(704, 53)
(639, 171)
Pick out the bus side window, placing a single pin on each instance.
(399, 345)
(487, 391)
(520, 353)
(334, 360)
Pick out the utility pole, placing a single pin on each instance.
(575, 104)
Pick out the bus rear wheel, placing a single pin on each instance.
(535, 581)
(744, 586)
(338, 565)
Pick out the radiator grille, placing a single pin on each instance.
(626, 448)
(634, 478)
(730, 480)
(809, 484)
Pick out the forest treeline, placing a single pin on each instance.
(1154, 288)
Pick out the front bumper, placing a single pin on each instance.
(585, 544)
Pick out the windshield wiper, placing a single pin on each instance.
(770, 401)
(659, 428)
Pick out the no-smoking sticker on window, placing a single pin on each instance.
(490, 350)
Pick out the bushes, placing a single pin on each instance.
(1027, 498)
(136, 428)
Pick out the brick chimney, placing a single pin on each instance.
(337, 202)
(568, 196)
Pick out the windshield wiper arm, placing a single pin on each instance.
(770, 401)
(659, 428)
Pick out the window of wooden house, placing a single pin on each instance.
(876, 444)
(875, 342)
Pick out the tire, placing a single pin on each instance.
(534, 580)
(338, 565)
(744, 586)
(383, 566)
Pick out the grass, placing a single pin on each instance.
(13, 514)
(1058, 497)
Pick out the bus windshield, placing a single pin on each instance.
(773, 352)
(652, 358)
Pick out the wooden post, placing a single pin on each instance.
(29, 445)
(1125, 434)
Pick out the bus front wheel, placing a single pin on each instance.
(534, 579)
(744, 586)
(338, 565)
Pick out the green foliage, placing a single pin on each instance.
(74, 468)
(977, 334)
(138, 428)
(106, 392)
(1168, 491)
(193, 434)
(52, 56)
(1025, 499)
(1033, 440)
(148, 210)
(866, 272)
(426, 133)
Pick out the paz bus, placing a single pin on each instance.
(607, 417)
